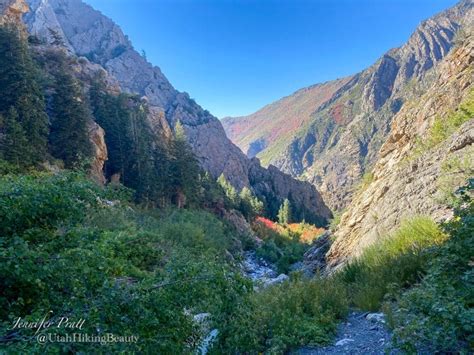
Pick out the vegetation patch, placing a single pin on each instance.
(82, 252)
(444, 127)
(284, 244)
(284, 317)
(437, 315)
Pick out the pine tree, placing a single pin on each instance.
(284, 214)
(20, 89)
(229, 191)
(15, 144)
(184, 169)
(143, 163)
(69, 140)
(112, 113)
(250, 205)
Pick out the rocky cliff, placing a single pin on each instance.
(336, 141)
(413, 176)
(87, 33)
(11, 11)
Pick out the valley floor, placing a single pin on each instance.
(360, 333)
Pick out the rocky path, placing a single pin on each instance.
(361, 333)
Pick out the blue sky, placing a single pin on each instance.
(235, 56)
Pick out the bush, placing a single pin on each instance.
(286, 316)
(396, 262)
(437, 315)
(65, 249)
(43, 202)
(284, 245)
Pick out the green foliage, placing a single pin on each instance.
(396, 262)
(133, 155)
(64, 248)
(160, 171)
(22, 103)
(246, 202)
(284, 214)
(9, 168)
(283, 317)
(282, 252)
(335, 221)
(437, 314)
(14, 144)
(250, 205)
(455, 170)
(40, 203)
(185, 168)
(229, 190)
(68, 139)
(284, 245)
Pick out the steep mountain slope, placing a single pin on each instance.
(86, 32)
(428, 153)
(273, 126)
(341, 140)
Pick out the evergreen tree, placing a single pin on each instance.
(143, 163)
(212, 194)
(14, 146)
(184, 168)
(20, 89)
(69, 140)
(162, 174)
(112, 113)
(284, 214)
(229, 191)
(250, 205)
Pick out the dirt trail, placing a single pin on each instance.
(360, 333)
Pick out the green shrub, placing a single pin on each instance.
(283, 317)
(281, 246)
(44, 201)
(394, 263)
(437, 315)
(65, 249)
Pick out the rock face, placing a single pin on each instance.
(11, 11)
(86, 32)
(333, 131)
(97, 138)
(406, 183)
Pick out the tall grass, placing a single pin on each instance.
(396, 262)
(437, 315)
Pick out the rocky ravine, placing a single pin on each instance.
(406, 183)
(334, 131)
(88, 33)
